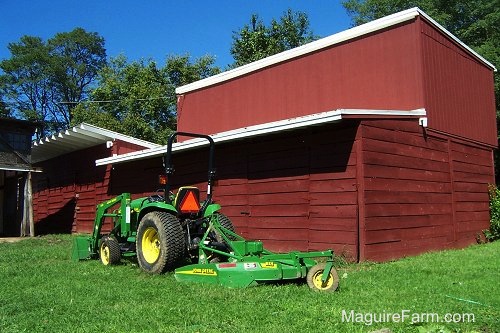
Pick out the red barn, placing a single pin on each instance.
(69, 186)
(376, 141)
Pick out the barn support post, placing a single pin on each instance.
(27, 223)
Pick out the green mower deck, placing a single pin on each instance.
(249, 264)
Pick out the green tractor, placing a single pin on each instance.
(165, 230)
(162, 230)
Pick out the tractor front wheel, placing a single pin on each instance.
(160, 242)
(109, 251)
(315, 278)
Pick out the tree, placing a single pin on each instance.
(43, 81)
(256, 40)
(76, 58)
(4, 111)
(25, 84)
(138, 98)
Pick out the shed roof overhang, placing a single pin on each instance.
(77, 138)
(356, 32)
(19, 168)
(267, 128)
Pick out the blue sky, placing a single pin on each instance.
(155, 29)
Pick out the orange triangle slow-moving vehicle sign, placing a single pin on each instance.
(189, 203)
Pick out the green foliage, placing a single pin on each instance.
(256, 40)
(138, 98)
(76, 58)
(43, 81)
(4, 111)
(44, 291)
(25, 82)
(494, 232)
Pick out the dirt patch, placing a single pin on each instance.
(11, 239)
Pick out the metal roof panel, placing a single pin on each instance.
(77, 138)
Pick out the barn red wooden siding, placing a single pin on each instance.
(371, 189)
(293, 190)
(458, 89)
(421, 192)
(405, 67)
(376, 71)
(66, 193)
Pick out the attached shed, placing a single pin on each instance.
(377, 141)
(70, 186)
(15, 177)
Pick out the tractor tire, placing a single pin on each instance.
(160, 243)
(314, 278)
(225, 221)
(109, 251)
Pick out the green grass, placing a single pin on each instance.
(42, 290)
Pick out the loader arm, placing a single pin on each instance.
(86, 247)
(102, 212)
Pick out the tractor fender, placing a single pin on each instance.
(154, 206)
(211, 209)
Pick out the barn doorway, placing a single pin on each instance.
(11, 202)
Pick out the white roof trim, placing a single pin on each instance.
(116, 135)
(79, 137)
(262, 129)
(319, 44)
(20, 169)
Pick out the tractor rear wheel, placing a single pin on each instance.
(315, 281)
(225, 222)
(109, 251)
(160, 242)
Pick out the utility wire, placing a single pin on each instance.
(116, 100)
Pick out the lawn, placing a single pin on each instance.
(42, 290)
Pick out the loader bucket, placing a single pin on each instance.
(81, 248)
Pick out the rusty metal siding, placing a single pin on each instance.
(459, 94)
(376, 71)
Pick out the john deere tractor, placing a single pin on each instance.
(162, 230)
(166, 229)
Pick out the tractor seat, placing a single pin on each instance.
(187, 200)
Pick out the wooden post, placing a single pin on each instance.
(24, 212)
(27, 223)
(29, 201)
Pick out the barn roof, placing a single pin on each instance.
(356, 32)
(267, 128)
(79, 137)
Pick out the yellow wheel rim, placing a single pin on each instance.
(105, 255)
(150, 245)
(318, 283)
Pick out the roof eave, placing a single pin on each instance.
(263, 129)
(79, 137)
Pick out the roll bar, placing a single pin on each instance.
(169, 168)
